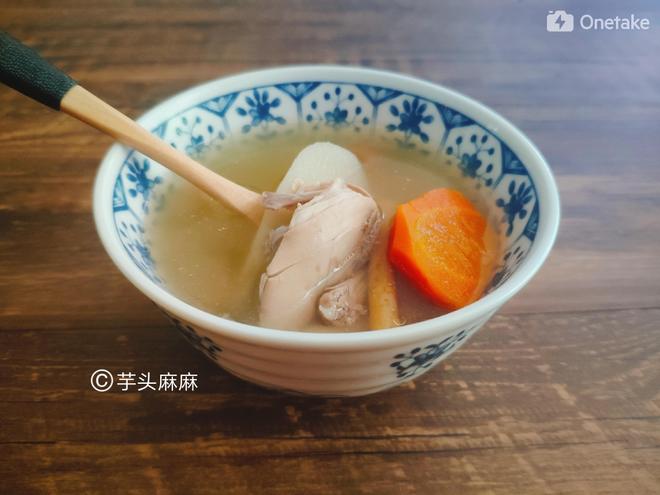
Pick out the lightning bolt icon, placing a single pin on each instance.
(559, 21)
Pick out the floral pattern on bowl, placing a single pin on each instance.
(415, 123)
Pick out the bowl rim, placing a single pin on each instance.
(480, 310)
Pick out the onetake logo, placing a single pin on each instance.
(560, 21)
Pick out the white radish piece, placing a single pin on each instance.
(323, 162)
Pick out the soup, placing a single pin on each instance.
(201, 248)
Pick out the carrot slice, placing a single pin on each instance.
(437, 241)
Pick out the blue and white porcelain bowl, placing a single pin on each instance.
(423, 118)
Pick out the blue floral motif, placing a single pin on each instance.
(337, 117)
(511, 259)
(377, 94)
(298, 91)
(204, 344)
(408, 364)
(510, 162)
(532, 224)
(451, 119)
(410, 123)
(498, 279)
(259, 108)
(160, 130)
(119, 202)
(219, 105)
(196, 143)
(515, 207)
(142, 184)
(470, 163)
(132, 236)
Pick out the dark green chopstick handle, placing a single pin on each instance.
(23, 69)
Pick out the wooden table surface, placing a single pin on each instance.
(559, 393)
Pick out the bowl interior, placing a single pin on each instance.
(416, 119)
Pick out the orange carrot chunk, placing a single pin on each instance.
(437, 241)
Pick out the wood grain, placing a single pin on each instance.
(560, 393)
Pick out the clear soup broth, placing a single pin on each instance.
(200, 247)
